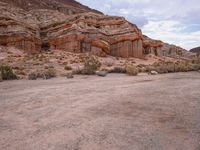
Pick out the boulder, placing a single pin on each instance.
(154, 72)
(101, 73)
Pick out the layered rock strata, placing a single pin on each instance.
(65, 24)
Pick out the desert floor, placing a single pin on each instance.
(117, 112)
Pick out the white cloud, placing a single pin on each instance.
(172, 32)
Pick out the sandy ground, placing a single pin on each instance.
(117, 112)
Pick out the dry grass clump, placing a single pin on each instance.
(91, 65)
(32, 76)
(132, 70)
(162, 67)
(142, 68)
(7, 73)
(44, 74)
(171, 67)
(49, 73)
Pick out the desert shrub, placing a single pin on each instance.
(131, 70)
(118, 70)
(77, 70)
(49, 73)
(32, 76)
(91, 65)
(142, 68)
(170, 67)
(68, 68)
(45, 74)
(70, 75)
(20, 72)
(163, 67)
(150, 68)
(181, 67)
(194, 66)
(7, 73)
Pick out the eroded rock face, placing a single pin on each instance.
(65, 24)
(13, 33)
(160, 48)
(98, 34)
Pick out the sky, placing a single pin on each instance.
(173, 21)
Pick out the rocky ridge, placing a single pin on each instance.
(67, 25)
(196, 50)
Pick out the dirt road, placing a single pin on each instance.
(117, 112)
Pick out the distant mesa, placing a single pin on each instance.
(35, 25)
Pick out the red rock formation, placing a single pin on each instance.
(160, 48)
(33, 25)
(99, 34)
(17, 34)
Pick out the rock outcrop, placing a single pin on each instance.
(196, 50)
(35, 25)
(98, 34)
(160, 48)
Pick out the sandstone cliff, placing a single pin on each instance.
(36, 25)
(160, 48)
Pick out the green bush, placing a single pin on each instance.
(91, 65)
(131, 70)
(7, 73)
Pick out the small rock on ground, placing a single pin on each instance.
(153, 72)
(101, 73)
